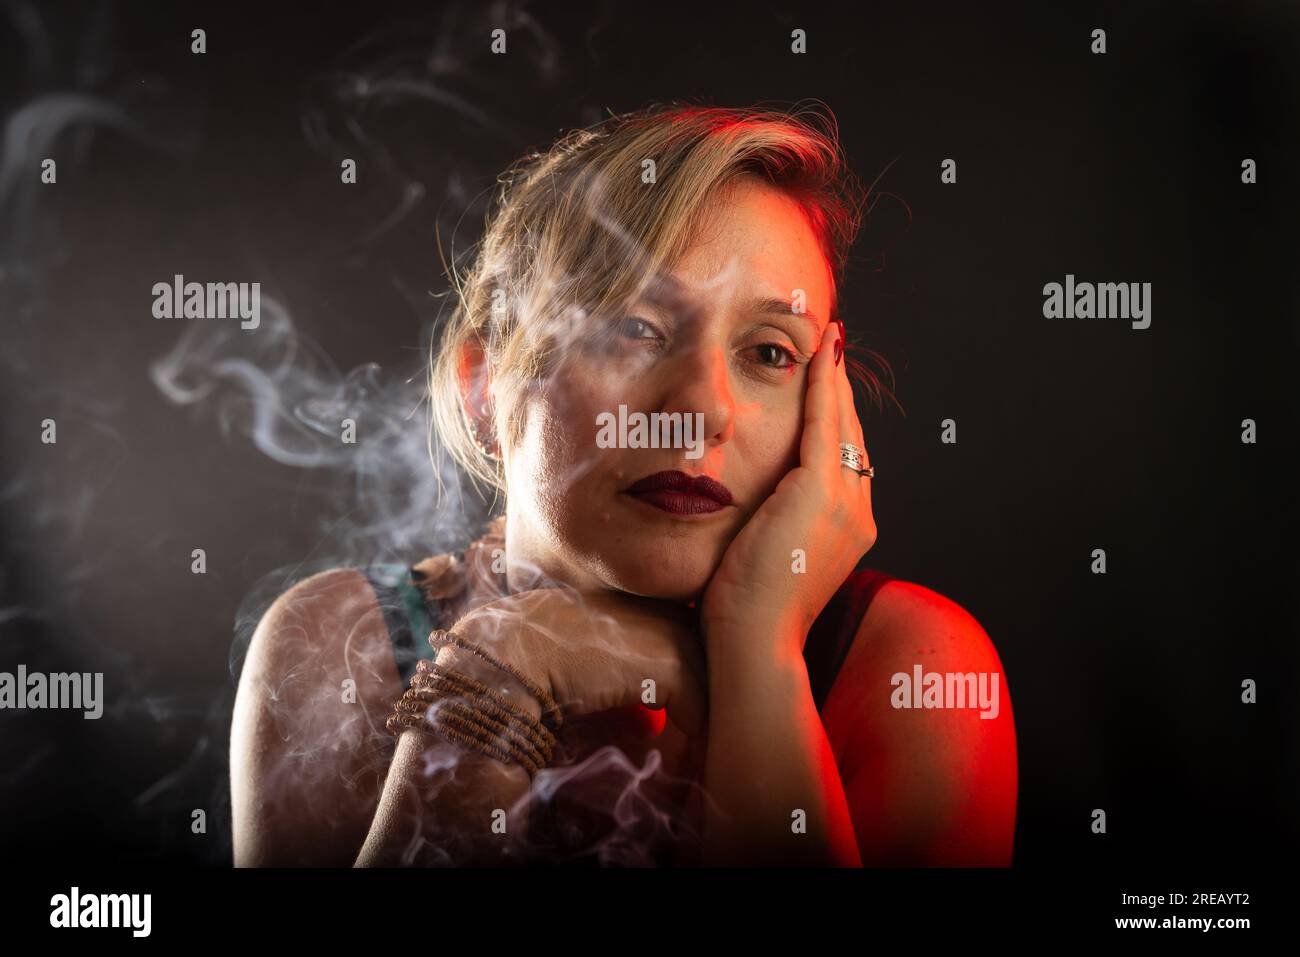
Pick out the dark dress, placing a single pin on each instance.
(410, 618)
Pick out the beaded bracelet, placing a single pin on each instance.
(462, 729)
(550, 710)
(463, 710)
(503, 733)
(496, 712)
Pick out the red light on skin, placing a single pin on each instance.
(931, 787)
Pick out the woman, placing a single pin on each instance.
(685, 662)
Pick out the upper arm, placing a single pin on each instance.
(308, 747)
(925, 785)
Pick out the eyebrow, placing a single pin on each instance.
(668, 290)
(771, 305)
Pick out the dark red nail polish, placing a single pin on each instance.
(839, 350)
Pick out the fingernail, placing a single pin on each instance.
(839, 350)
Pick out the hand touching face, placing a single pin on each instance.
(726, 338)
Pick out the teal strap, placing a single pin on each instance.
(408, 616)
(417, 612)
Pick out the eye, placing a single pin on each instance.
(628, 336)
(633, 327)
(776, 356)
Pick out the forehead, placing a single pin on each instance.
(754, 241)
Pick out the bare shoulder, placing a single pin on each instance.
(330, 618)
(910, 619)
(921, 724)
(308, 721)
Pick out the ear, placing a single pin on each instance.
(476, 396)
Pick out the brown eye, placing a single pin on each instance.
(774, 355)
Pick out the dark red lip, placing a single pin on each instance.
(681, 494)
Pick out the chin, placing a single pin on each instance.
(635, 550)
(666, 584)
(669, 568)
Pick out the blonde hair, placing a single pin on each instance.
(580, 227)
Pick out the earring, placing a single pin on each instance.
(486, 443)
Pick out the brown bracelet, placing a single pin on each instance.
(459, 729)
(454, 682)
(550, 710)
(424, 668)
(509, 733)
(468, 714)
(517, 723)
(466, 719)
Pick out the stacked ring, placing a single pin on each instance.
(852, 457)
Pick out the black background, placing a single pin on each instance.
(1073, 435)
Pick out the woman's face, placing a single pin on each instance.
(721, 338)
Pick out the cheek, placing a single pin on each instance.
(771, 436)
(559, 457)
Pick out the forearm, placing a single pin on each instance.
(768, 758)
(444, 804)
(438, 808)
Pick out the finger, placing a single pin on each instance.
(819, 448)
(851, 428)
(850, 424)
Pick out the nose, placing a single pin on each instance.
(700, 381)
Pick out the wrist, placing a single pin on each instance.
(498, 681)
(755, 633)
(754, 658)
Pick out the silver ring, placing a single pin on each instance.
(852, 457)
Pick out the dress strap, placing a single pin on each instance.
(408, 613)
(832, 634)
